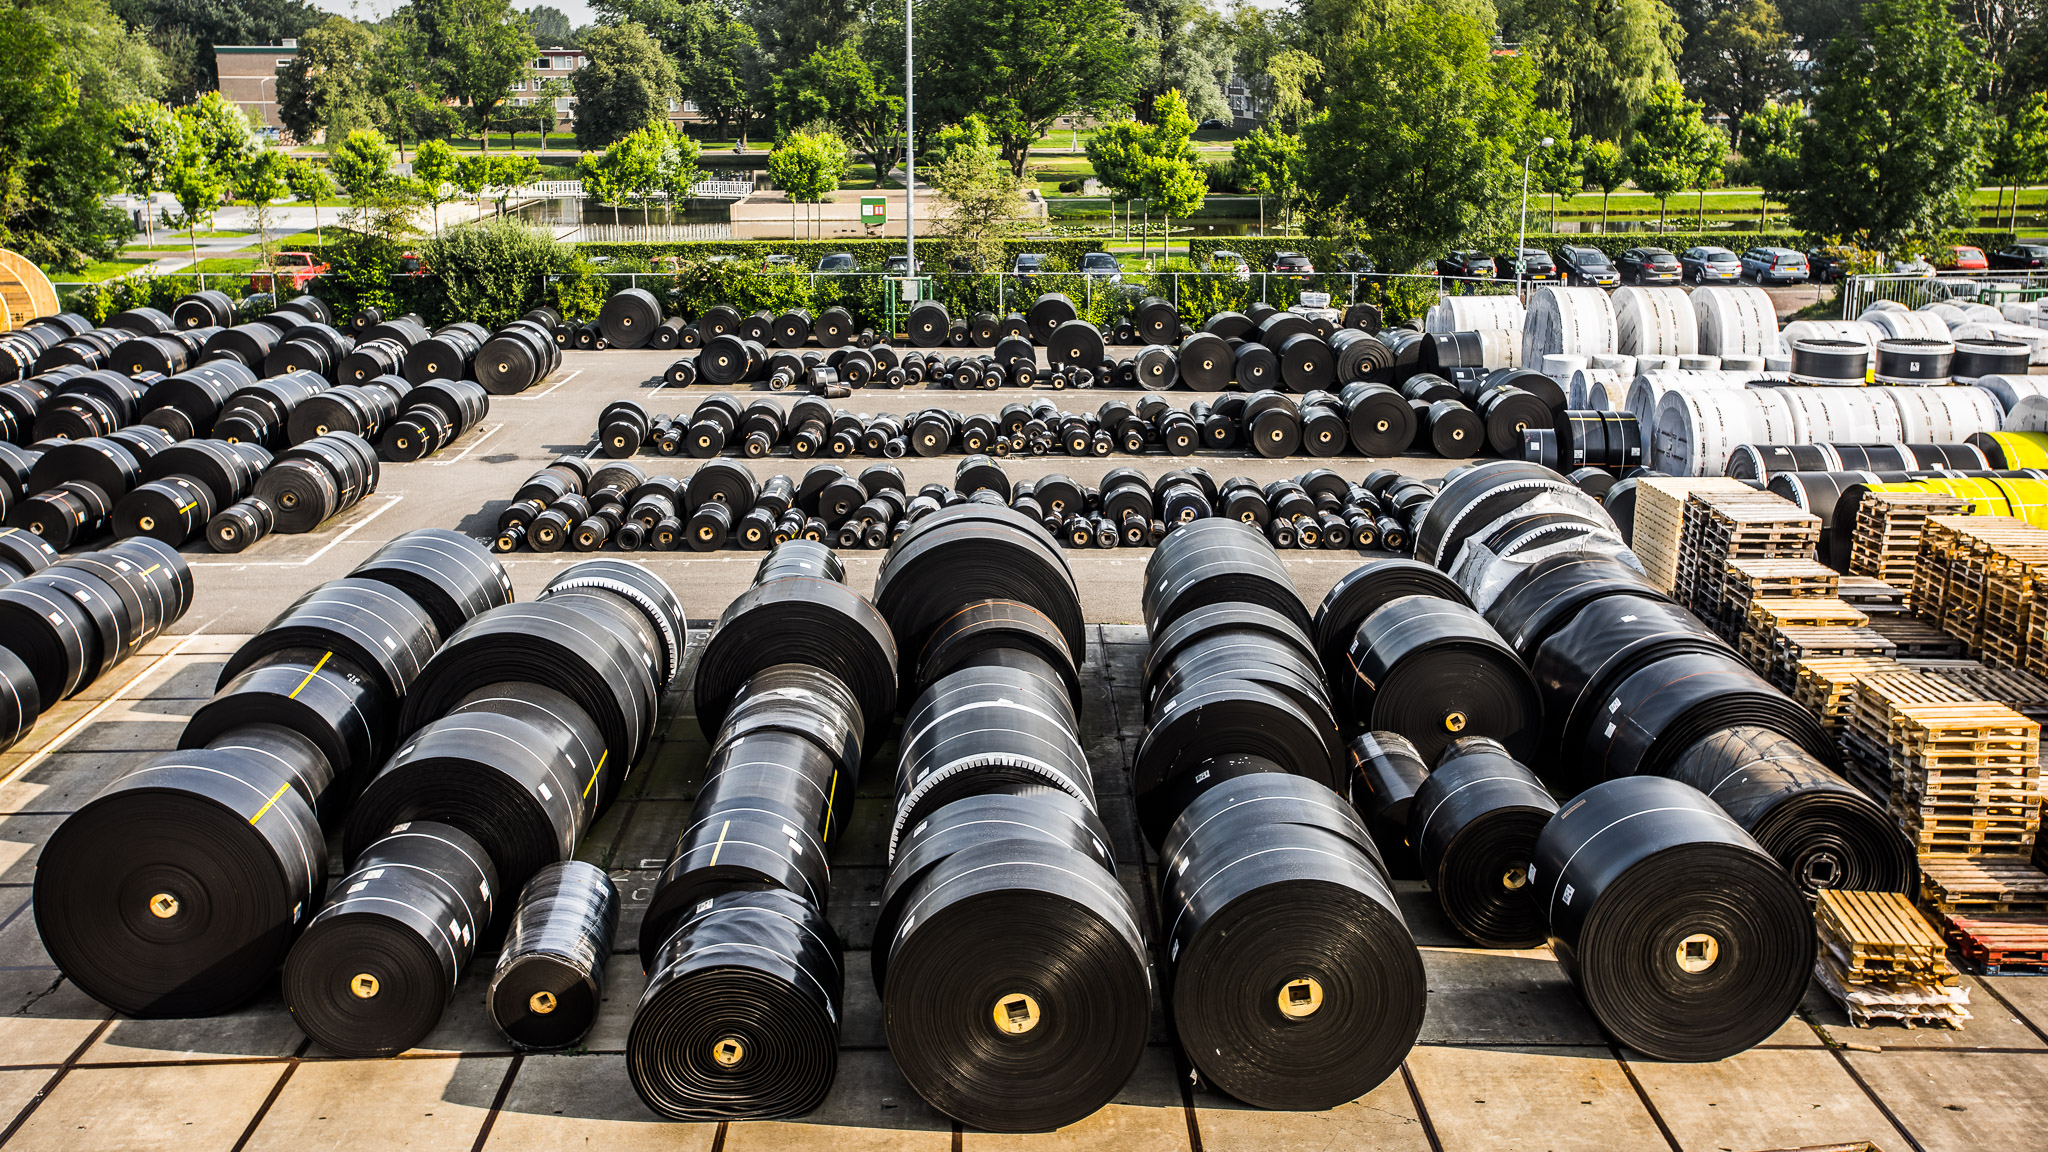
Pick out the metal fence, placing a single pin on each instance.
(648, 233)
(1915, 289)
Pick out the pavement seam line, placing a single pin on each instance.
(56, 1078)
(1421, 1109)
(483, 1134)
(291, 1065)
(1884, 1109)
(1643, 1094)
(2018, 1015)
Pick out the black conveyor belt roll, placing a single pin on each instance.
(1386, 772)
(326, 698)
(971, 634)
(378, 628)
(972, 552)
(1361, 592)
(1649, 719)
(1548, 594)
(1606, 641)
(1685, 938)
(449, 574)
(549, 982)
(1474, 825)
(740, 1020)
(1214, 560)
(1434, 670)
(799, 619)
(1822, 829)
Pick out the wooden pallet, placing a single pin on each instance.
(1660, 507)
(1872, 595)
(1980, 886)
(1995, 944)
(1889, 526)
(2023, 692)
(1826, 685)
(1879, 935)
(1917, 639)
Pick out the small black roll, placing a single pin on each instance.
(549, 982)
(1474, 824)
(1434, 670)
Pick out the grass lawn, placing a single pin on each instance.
(133, 248)
(225, 264)
(96, 271)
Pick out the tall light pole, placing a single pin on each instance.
(909, 146)
(1523, 242)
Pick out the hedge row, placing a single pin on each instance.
(1325, 254)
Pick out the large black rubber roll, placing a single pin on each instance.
(1222, 717)
(172, 510)
(1386, 771)
(515, 765)
(1609, 639)
(629, 318)
(1475, 497)
(1649, 719)
(1759, 462)
(969, 553)
(549, 982)
(1548, 594)
(515, 358)
(740, 1019)
(985, 728)
(450, 575)
(227, 470)
(1506, 411)
(1685, 938)
(1380, 419)
(1296, 983)
(1454, 431)
(1362, 591)
(1215, 560)
(1822, 829)
(1017, 999)
(970, 635)
(374, 969)
(1047, 313)
(326, 698)
(20, 702)
(1434, 670)
(1075, 344)
(1474, 824)
(1206, 362)
(592, 658)
(177, 889)
(803, 620)
(57, 637)
(1279, 637)
(928, 324)
(373, 625)
(632, 592)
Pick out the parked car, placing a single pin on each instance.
(1649, 265)
(1466, 264)
(1101, 266)
(1531, 264)
(2021, 256)
(778, 262)
(1963, 258)
(1709, 264)
(1029, 264)
(292, 270)
(1357, 263)
(1587, 267)
(899, 266)
(1224, 260)
(413, 266)
(1767, 265)
(1293, 263)
(1827, 265)
(1913, 265)
(1213, 124)
(838, 262)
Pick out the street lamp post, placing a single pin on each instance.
(909, 147)
(1523, 241)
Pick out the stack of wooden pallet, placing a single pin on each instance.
(1749, 580)
(1977, 579)
(1995, 911)
(1916, 639)
(1965, 778)
(1782, 632)
(1879, 957)
(1872, 595)
(1888, 527)
(1660, 520)
(2023, 692)
(1826, 685)
(1718, 528)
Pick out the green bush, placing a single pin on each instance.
(493, 271)
(98, 301)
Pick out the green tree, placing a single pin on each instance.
(258, 182)
(478, 48)
(1421, 142)
(1269, 164)
(625, 85)
(309, 181)
(1184, 47)
(149, 142)
(1894, 140)
(362, 164)
(510, 172)
(59, 154)
(1600, 60)
(434, 167)
(721, 67)
(473, 175)
(807, 167)
(111, 64)
(1673, 148)
(1022, 64)
(1559, 170)
(1175, 178)
(492, 270)
(1739, 61)
(1770, 154)
(1606, 168)
(320, 92)
(675, 168)
(550, 27)
(188, 30)
(838, 86)
(219, 129)
(407, 100)
(198, 185)
(979, 194)
(2019, 158)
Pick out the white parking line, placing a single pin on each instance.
(488, 433)
(544, 391)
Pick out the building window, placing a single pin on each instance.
(285, 63)
(541, 63)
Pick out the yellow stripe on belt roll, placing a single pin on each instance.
(2023, 449)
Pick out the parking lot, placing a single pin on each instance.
(1508, 1058)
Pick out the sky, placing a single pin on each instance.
(579, 10)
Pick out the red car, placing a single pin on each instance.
(1963, 258)
(293, 270)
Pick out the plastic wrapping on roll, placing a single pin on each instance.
(1434, 670)
(450, 575)
(740, 1019)
(1474, 824)
(374, 969)
(1296, 983)
(1017, 997)
(1685, 938)
(1650, 718)
(1360, 592)
(1823, 830)
(1548, 594)
(176, 890)
(1387, 770)
(549, 982)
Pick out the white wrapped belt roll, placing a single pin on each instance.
(1699, 428)
(1900, 324)
(1699, 362)
(1940, 415)
(1841, 416)
(1653, 320)
(2010, 390)
(1735, 321)
(2029, 415)
(1596, 389)
(1648, 389)
(1572, 321)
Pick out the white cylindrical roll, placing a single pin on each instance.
(1578, 321)
(1473, 314)
(1591, 388)
(2029, 415)
(1885, 306)
(1654, 320)
(1899, 324)
(1857, 330)
(1699, 363)
(1778, 362)
(1742, 363)
(1656, 364)
(1626, 365)
(1941, 415)
(2017, 313)
(1499, 348)
(1648, 389)
(1561, 368)
(1737, 321)
(1950, 315)
(1980, 313)
(1699, 428)
(2035, 339)
(1840, 416)
(1609, 395)
(2010, 390)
